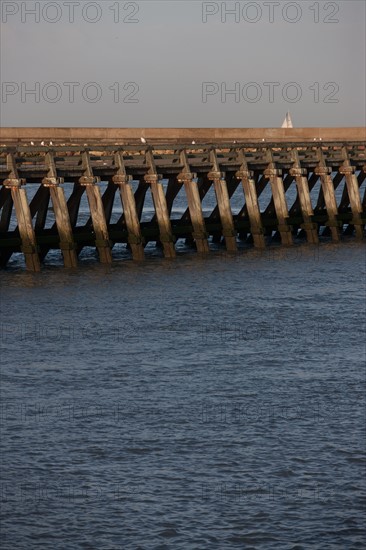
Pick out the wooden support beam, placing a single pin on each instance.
(232, 183)
(73, 203)
(4, 194)
(223, 203)
(353, 193)
(361, 178)
(90, 182)
(24, 218)
(189, 180)
(251, 201)
(243, 213)
(303, 191)
(161, 209)
(139, 196)
(129, 208)
(173, 189)
(42, 204)
(320, 205)
(279, 199)
(108, 200)
(324, 172)
(311, 182)
(6, 209)
(62, 217)
(260, 184)
(204, 186)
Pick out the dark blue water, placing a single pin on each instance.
(195, 403)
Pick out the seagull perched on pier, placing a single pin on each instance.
(32, 143)
(42, 143)
(193, 142)
(51, 143)
(143, 140)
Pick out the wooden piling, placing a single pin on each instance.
(303, 191)
(161, 210)
(129, 208)
(90, 183)
(62, 218)
(279, 198)
(251, 201)
(324, 172)
(223, 202)
(6, 205)
(24, 218)
(194, 204)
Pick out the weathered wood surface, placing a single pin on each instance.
(131, 216)
(195, 168)
(223, 203)
(208, 135)
(23, 215)
(61, 212)
(160, 204)
(194, 204)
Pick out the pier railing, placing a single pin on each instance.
(187, 161)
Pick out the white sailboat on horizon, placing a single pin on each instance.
(287, 123)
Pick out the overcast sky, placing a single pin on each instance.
(173, 63)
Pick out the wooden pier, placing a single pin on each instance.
(165, 162)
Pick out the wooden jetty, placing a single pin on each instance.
(193, 160)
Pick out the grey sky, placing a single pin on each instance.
(170, 52)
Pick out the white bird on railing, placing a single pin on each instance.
(51, 143)
(42, 143)
(32, 143)
(193, 142)
(143, 140)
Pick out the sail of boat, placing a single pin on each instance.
(287, 123)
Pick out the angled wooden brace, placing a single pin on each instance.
(302, 184)
(251, 200)
(279, 198)
(189, 180)
(23, 214)
(223, 202)
(129, 207)
(97, 213)
(61, 211)
(160, 205)
(6, 208)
